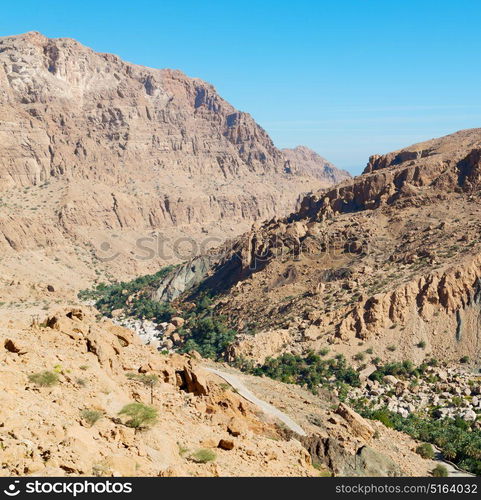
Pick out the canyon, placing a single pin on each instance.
(98, 153)
(180, 297)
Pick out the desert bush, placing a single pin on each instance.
(81, 382)
(91, 416)
(203, 456)
(421, 345)
(140, 416)
(44, 379)
(440, 471)
(182, 449)
(426, 450)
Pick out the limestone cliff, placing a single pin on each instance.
(94, 148)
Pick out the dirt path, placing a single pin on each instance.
(267, 408)
(270, 410)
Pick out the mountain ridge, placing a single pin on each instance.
(97, 152)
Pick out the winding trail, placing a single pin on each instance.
(267, 408)
(236, 383)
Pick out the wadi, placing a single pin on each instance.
(298, 321)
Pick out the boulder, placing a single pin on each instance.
(14, 347)
(194, 381)
(226, 444)
(178, 321)
(359, 426)
(370, 463)
(390, 379)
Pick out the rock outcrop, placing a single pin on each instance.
(61, 399)
(391, 257)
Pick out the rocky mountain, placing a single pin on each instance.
(305, 161)
(96, 153)
(388, 260)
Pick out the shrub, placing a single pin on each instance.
(464, 359)
(182, 449)
(208, 335)
(108, 297)
(44, 379)
(440, 471)
(91, 416)
(405, 369)
(425, 450)
(310, 370)
(459, 441)
(140, 415)
(203, 456)
(391, 348)
(324, 351)
(384, 417)
(421, 345)
(359, 356)
(81, 382)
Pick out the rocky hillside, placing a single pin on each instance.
(96, 152)
(388, 260)
(92, 400)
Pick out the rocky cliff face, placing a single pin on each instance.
(389, 259)
(305, 161)
(95, 148)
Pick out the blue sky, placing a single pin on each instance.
(348, 78)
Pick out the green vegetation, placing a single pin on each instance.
(203, 456)
(426, 450)
(459, 441)
(440, 471)
(140, 416)
(44, 379)
(210, 336)
(421, 345)
(182, 449)
(133, 297)
(405, 369)
(205, 332)
(91, 416)
(310, 370)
